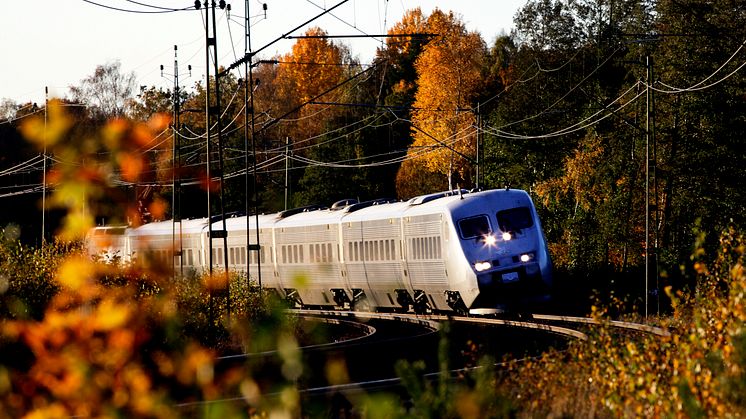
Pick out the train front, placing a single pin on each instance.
(504, 245)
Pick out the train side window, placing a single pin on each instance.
(329, 252)
(284, 254)
(474, 226)
(438, 250)
(323, 253)
(312, 252)
(232, 257)
(514, 219)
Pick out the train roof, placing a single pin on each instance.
(312, 217)
(195, 225)
(239, 223)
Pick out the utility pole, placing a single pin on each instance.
(479, 132)
(252, 199)
(650, 171)
(175, 169)
(287, 173)
(211, 44)
(44, 172)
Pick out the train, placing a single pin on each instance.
(454, 251)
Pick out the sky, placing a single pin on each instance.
(57, 43)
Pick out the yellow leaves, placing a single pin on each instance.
(336, 372)
(197, 366)
(109, 316)
(75, 226)
(47, 133)
(448, 78)
(75, 273)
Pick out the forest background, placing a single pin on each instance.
(613, 115)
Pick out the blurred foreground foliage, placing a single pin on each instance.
(84, 338)
(697, 371)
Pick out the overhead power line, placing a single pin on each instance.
(119, 9)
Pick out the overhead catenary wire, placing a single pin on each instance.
(119, 9)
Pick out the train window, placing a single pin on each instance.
(284, 254)
(232, 255)
(438, 251)
(514, 219)
(323, 253)
(329, 252)
(312, 252)
(474, 226)
(356, 255)
(388, 250)
(243, 256)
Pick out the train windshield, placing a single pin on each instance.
(514, 219)
(474, 227)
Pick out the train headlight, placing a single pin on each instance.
(490, 239)
(482, 266)
(527, 257)
(507, 236)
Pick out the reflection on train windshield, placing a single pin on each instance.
(474, 227)
(514, 219)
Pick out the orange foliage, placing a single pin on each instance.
(312, 67)
(449, 78)
(85, 188)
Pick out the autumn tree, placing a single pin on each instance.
(108, 91)
(448, 80)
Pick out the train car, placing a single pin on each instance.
(450, 251)
(108, 244)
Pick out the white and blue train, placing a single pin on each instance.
(449, 251)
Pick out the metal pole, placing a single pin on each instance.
(208, 41)
(221, 165)
(287, 160)
(174, 149)
(479, 131)
(44, 173)
(647, 183)
(249, 90)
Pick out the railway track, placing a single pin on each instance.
(564, 327)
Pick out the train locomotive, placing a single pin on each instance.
(451, 251)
